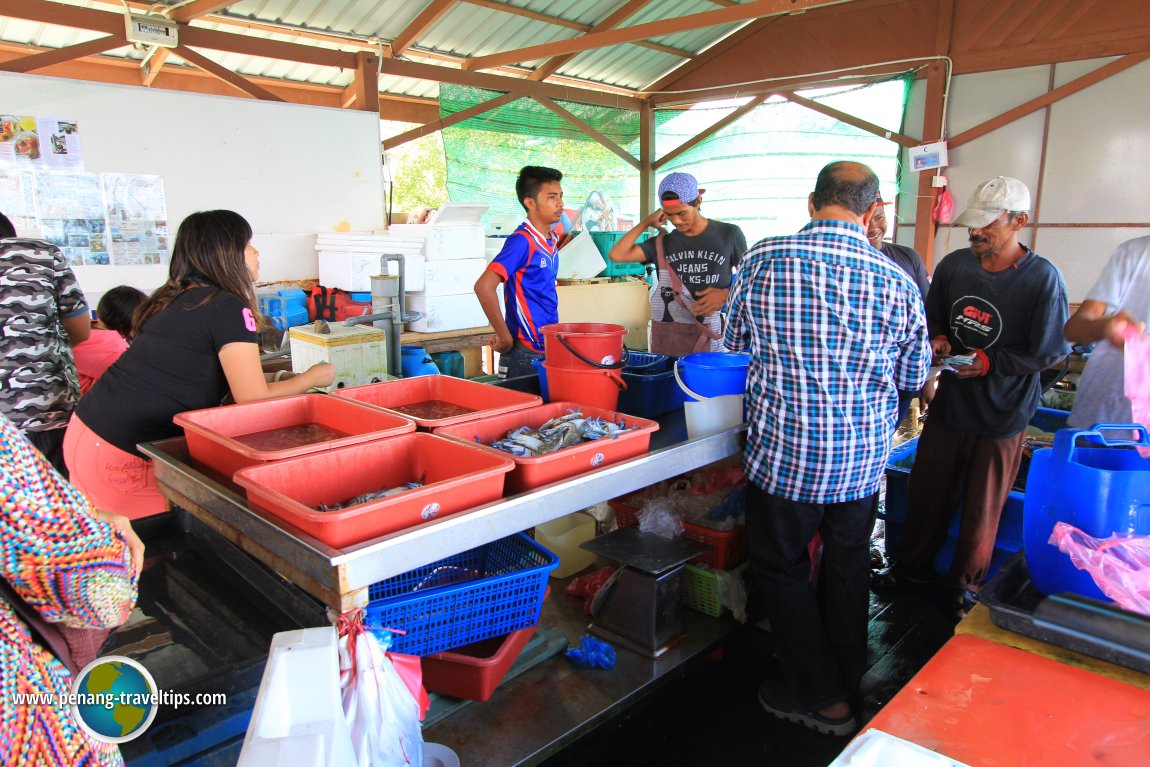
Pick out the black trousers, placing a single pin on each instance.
(51, 444)
(821, 636)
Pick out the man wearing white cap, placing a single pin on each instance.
(1004, 306)
(695, 263)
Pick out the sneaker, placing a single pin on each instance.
(776, 700)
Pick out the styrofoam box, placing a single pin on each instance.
(446, 242)
(450, 278)
(298, 718)
(442, 313)
(348, 261)
(358, 353)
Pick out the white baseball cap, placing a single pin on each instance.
(991, 198)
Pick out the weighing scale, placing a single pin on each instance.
(641, 606)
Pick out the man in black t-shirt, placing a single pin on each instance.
(910, 262)
(1004, 305)
(703, 252)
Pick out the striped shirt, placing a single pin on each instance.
(834, 330)
(528, 265)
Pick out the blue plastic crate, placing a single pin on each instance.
(482, 593)
(651, 387)
(1009, 539)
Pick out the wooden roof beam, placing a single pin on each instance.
(423, 22)
(621, 14)
(869, 127)
(593, 40)
(198, 8)
(1059, 93)
(59, 55)
(237, 81)
(415, 69)
(446, 122)
(589, 130)
(151, 66)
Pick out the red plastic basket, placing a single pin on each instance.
(456, 476)
(211, 433)
(531, 473)
(481, 399)
(473, 672)
(728, 547)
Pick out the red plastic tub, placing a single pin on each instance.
(473, 672)
(424, 394)
(728, 547)
(583, 345)
(314, 422)
(531, 473)
(456, 476)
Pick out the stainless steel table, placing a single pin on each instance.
(340, 578)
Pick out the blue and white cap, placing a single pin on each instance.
(683, 185)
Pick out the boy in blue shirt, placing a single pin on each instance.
(527, 266)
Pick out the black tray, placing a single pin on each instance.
(1098, 629)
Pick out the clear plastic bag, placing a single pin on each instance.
(1120, 565)
(382, 713)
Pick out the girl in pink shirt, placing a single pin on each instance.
(109, 334)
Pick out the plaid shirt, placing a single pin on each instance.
(834, 329)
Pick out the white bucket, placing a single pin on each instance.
(713, 415)
(710, 415)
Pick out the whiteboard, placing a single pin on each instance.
(288, 169)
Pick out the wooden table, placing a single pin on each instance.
(455, 340)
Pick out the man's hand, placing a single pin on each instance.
(973, 370)
(1117, 326)
(710, 300)
(501, 343)
(656, 219)
(940, 346)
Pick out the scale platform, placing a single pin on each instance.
(641, 606)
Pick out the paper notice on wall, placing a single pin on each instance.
(18, 200)
(72, 216)
(40, 143)
(137, 218)
(60, 144)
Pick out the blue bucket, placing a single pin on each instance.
(712, 374)
(537, 363)
(417, 362)
(1101, 488)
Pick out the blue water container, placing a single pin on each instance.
(417, 362)
(1102, 488)
(713, 374)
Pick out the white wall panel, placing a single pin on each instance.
(1081, 253)
(288, 169)
(1098, 152)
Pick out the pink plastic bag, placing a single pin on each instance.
(1137, 364)
(1119, 565)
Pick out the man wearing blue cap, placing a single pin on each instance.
(695, 262)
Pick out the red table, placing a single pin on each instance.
(986, 704)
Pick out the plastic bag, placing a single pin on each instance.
(659, 517)
(382, 713)
(587, 586)
(732, 593)
(1119, 565)
(1136, 361)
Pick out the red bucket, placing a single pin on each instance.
(588, 387)
(584, 346)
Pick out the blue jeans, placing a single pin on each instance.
(517, 363)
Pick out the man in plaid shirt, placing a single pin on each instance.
(834, 330)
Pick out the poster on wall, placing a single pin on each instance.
(19, 142)
(72, 216)
(18, 200)
(41, 143)
(137, 218)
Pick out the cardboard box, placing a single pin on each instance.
(601, 300)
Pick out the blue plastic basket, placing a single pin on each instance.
(651, 387)
(482, 593)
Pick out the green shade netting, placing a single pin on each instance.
(757, 171)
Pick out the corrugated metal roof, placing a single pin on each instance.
(465, 30)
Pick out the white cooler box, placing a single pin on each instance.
(443, 313)
(446, 242)
(358, 353)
